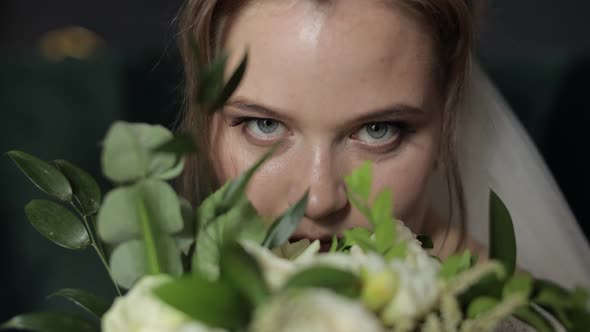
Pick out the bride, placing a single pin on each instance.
(338, 82)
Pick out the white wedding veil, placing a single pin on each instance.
(494, 151)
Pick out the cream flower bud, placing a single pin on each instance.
(141, 311)
(314, 310)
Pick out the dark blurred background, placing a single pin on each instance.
(536, 51)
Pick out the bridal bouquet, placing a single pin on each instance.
(222, 267)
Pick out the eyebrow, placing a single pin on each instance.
(395, 110)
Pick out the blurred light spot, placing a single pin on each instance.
(70, 42)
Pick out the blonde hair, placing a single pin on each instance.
(450, 22)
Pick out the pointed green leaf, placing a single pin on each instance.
(334, 245)
(179, 145)
(242, 272)
(359, 236)
(129, 262)
(285, 225)
(502, 238)
(359, 181)
(342, 282)
(216, 304)
(50, 322)
(211, 81)
(519, 283)
(85, 300)
(46, 177)
(384, 224)
(57, 224)
(481, 305)
(232, 84)
(84, 187)
(533, 318)
(240, 223)
(119, 219)
(398, 251)
(455, 264)
(237, 188)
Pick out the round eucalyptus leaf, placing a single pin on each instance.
(83, 185)
(119, 219)
(43, 175)
(57, 224)
(129, 261)
(50, 322)
(130, 152)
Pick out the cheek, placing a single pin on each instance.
(231, 155)
(407, 176)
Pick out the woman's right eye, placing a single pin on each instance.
(262, 128)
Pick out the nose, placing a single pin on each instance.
(327, 191)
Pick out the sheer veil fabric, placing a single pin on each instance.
(495, 152)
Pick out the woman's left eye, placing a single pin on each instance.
(378, 132)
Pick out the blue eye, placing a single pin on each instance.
(378, 132)
(265, 127)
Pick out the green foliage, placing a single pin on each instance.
(242, 272)
(519, 283)
(50, 322)
(231, 85)
(454, 265)
(533, 318)
(215, 303)
(130, 260)
(359, 181)
(129, 153)
(46, 177)
(57, 224)
(502, 238)
(481, 305)
(282, 228)
(85, 189)
(339, 281)
(85, 300)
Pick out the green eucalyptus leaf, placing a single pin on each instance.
(129, 261)
(242, 271)
(236, 189)
(129, 153)
(211, 81)
(425, 241)
(85, 300)
(240, 223)
(580, 320)
(359, 181)
(502, 238)
(285, 225)
(50, 322)
(46, 177)
(519, 283)
(533, 318)
(342, 282)
(383, 222)
(359, 236)
(334, 245)
(57, 224)
(119, 219)
(398, 251)
(454, 265)
(186, 238)
(84, 187)
(232, 84)
(481, 305)
(216, 304)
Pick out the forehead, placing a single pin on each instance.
(348, 55)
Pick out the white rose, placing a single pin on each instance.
(140, 311)
(314, 310)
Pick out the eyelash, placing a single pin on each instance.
(403, 127)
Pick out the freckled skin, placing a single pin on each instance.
(323, 66)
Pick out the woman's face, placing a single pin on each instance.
(336, 84)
